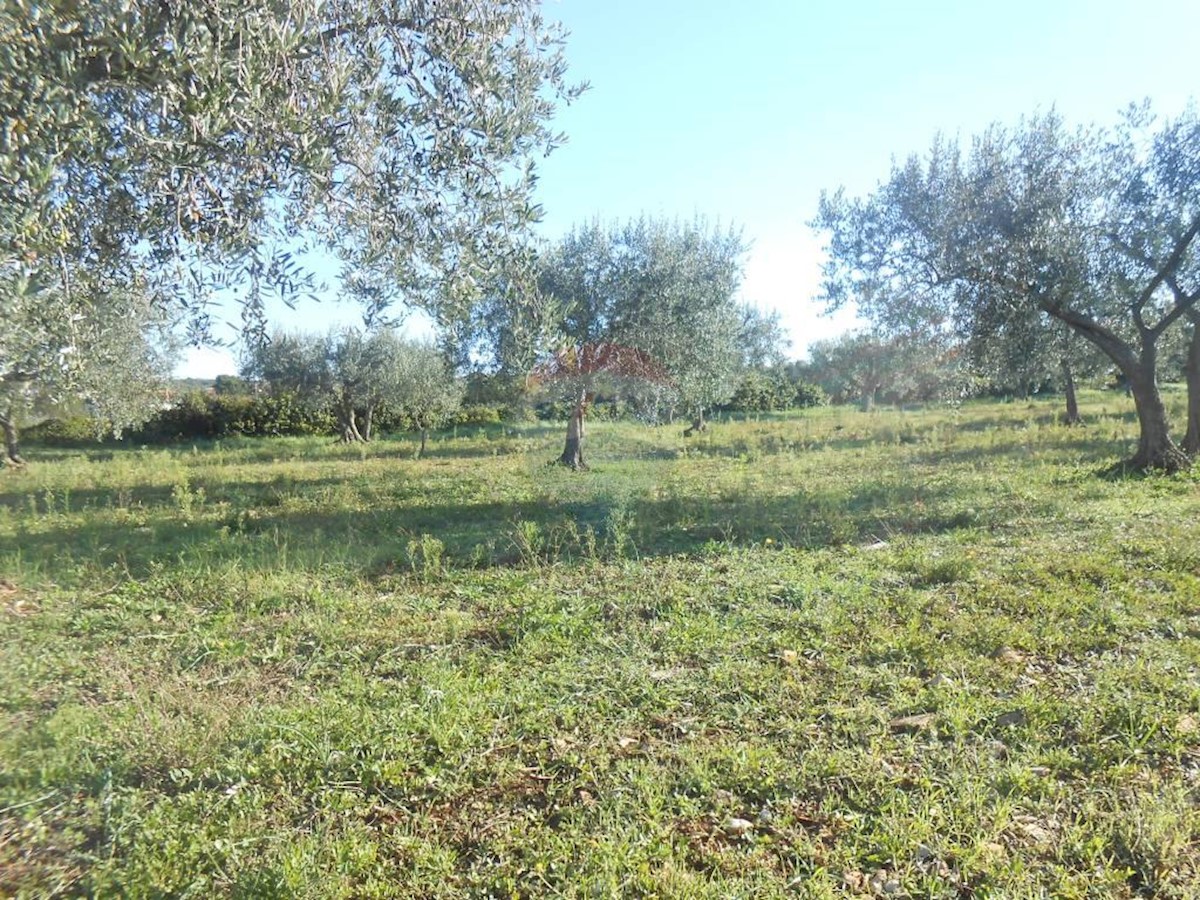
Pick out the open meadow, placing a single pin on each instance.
(929, 653)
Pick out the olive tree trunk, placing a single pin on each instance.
(1156, 449)
(572, 454)
(867, 399)
(349, 426)
(12, 446)
(1191, 440)
(1071, 416)
(698, 426)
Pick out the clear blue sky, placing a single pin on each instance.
(744, 112)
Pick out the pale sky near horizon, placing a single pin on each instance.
(745, 112)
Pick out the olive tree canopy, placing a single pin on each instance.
(650, 307)
(106, 349)
(1098, 229)
(356, 376)
(193, 144)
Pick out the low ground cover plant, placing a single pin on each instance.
(938, 652)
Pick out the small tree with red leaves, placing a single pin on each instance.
(580, 370)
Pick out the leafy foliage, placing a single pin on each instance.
(202, 416)
(181, 143)
(864, 367)
(97, 344)
(1096, 229)
(350, 374)
(765, 390)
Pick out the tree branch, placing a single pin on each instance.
(1107, 340)
(1162, 273)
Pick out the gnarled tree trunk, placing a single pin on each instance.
(1191, 440)
(12, 447)
(349, 425)
(424, 441)
(1071, 417)
(572, 454)
(1156, 449)
(698, 426)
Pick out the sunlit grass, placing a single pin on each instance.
(933, 653)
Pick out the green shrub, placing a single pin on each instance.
(476, 414)
(70, 431)
(809, 395)
(765, 391)
(200, 416)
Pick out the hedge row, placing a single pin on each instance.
(202, 416)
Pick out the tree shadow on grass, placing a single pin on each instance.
(391, 535)
(1099, 452)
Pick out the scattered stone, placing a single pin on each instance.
(1011, 719)
(877, 545)
(884, 885)
(789, 657)
(1035, 831)
(1187, 724)
(765, 816)
(939, 680)
(737, 827)
(924, 853)
(911, 724)
(853, 880)
(1009, 656)
(1040, 771)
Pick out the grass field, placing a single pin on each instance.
(928, 654)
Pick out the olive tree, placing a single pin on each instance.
(863, 366)
(423, 387)
(108, 351)
(652, 307)
(356, 376)
(202, 144)
(1094, 228)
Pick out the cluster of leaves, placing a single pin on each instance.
(101, 345)
(864, 367)
(145, 138)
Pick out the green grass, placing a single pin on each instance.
(930, 654)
